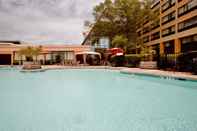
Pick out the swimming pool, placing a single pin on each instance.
(95, 100)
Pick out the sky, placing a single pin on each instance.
(45, 21)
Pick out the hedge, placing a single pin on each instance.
(133, 60)
(129, 60)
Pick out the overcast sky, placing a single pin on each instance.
(45, 21)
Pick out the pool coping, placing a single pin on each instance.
(136, 71)
(161, 74)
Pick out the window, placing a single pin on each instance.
(146, 39)
(191, 5)
(187, 24)
(154, 3)
(146, 20)
(155, 24)
(146, 30)
(168, 31)
(139, 33)
(171, 16)
(167, 5)
(169, 47)
(189, 43)
(155, 36)
(189, 39)
(69, 55)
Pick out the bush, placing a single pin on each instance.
(133, 60)
(120, 41)
(129, 60)
(16, 62)
(117, 61)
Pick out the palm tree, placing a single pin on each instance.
(36, 52)
(29, 52)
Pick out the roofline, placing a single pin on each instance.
(94, 26)
(83, 43)
(12, 42)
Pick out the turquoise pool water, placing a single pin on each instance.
(95, 100)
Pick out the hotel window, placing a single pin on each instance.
(169, 47)
(154, 3)
(190, 6)
(146, 39)
(168, 31)
(187, 24)
(139, 33)
(189, 43)
(146, 20)
(155, 36)
(171, 16)
(138, 25)
(168, 4)
(146, 30)
(155, 24)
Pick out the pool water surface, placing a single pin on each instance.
(95, 100)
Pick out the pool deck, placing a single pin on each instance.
(160, 73)
(156, 73)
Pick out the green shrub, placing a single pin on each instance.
(16, 62)
(133, 60)
(129, 60)
(117, 61)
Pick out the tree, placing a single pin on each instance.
(120, 41)
(120, 17)
(147, 53)
(29, 52)
(104, 25)
(36, 51)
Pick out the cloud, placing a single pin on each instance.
(44, 21)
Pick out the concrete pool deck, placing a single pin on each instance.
(138, 71)
(160, 73)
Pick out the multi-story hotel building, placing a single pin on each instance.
(175, 31)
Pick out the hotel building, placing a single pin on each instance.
(175, 31)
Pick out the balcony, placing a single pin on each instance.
(168, 5)
(155, 36)
(154, 3)
(146, 30)
(168, 18)
(168, 31)
(190, 6)
(187, 24)
(146, 39)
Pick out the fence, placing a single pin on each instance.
(180, 62)
(168, 61)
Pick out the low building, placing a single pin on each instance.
(50, 54)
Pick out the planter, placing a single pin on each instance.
(148, 64)
(31, 66)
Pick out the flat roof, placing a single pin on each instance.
(10, 42)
